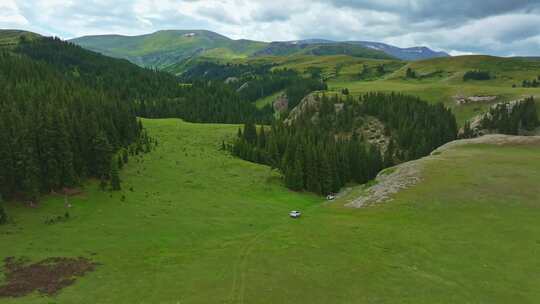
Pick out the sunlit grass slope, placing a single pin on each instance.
(203, 227)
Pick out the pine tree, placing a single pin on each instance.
(115, 178)
(103, 183)
(297, 176)
(125, 156)
(120, 162)
(3, 215)
(102, 155)
(261, 138)
(467, 131)
(388, 158)
(250, 133)
(326, 175)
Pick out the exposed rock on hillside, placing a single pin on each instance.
(371, 128)
(242, 87)
(461, 100)
(309, 103)
(231, 80)
(403, 176)
(389, 182)
(281, 103)
(476, 127)
(373, 131)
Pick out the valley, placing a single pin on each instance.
(217, 230)
(162, 168)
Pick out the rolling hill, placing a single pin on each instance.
(411, 53)
(163, 49)
(192, 224)
(321, 49)
(440, 241)
(10, 38)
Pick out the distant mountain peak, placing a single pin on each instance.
(410, 53)
(167, 47)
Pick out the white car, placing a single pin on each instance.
(295, 214)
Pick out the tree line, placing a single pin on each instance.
(507, 118)
(535, 83)
(66, 113)
(154, 93)
(256, 81)
(55, 131)
(476, 75)
(322, 149)
(204, 102)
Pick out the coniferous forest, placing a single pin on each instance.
(65, 112)
(512, 119)
(153, 93)
(322, 150)
(56, 131)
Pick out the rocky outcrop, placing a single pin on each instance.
(462, 100)
(231, 80)
(392, 180)
(475, 123)
(281, 104)
(242, 87)
(373, 131)
(309, 103)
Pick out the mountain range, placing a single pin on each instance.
(165, 48)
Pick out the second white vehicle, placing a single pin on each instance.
(295, 214)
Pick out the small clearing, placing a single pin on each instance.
(403, 176)
(48, 276)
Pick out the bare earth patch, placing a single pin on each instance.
(393, 180)
(48, 276)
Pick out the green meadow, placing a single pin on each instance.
(195, 225)
(440, 92)
(439, 79)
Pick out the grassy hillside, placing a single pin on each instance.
(9, 38)
(203, 227)
(504, 71)
(335, 67)
(174, 49)
(441, 80)
(164, 48)
(322, 49)
(341, 66)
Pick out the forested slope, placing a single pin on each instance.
(65, 111)
(54, 130)
(322, 148)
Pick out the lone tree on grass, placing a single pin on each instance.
(410, 73)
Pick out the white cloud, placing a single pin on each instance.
(497, 27)
(10, 16)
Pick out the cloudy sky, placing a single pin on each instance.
(498, 27)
